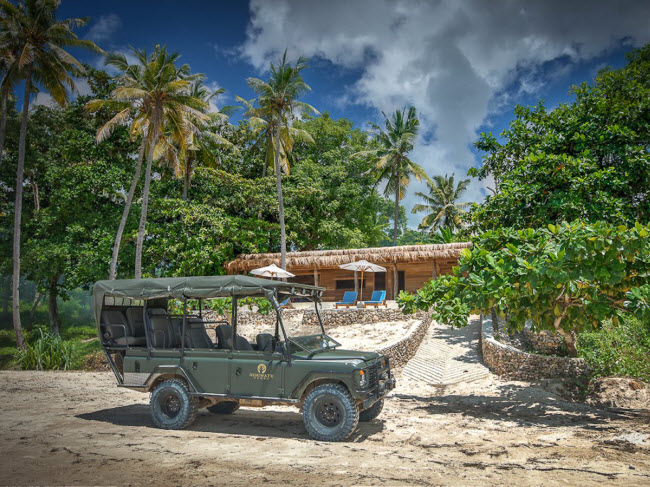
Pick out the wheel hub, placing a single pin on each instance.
(170, 404)
(328, 413)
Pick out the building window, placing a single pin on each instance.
(349, 283)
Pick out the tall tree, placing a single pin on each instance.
(394, 166)
(201, 146)
(441, 204)
(42, 60)
(278, 97)
(262, 124)
(156, 96)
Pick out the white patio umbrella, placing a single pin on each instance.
(272, 271)
(363, 266)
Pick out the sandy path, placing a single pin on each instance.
(78, 428)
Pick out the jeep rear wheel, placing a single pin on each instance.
(224, 407)
(172, 406)
(330, 413)
(372, 412)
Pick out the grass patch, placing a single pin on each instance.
(618, 351)
(77, 341)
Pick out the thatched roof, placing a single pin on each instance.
(332, 258)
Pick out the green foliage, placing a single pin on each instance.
(622, 350)
(46, 352)
(585, 160)
(565, 278)
(221, 306)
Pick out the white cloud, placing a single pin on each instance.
(450, 59)
(218, 101)
(104, 28)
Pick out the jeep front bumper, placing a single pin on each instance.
(382, 389)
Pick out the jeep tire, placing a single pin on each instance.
(372, 412)
(224, 407)
(330, 413)
(172, 406)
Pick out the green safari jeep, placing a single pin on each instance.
(173, 357)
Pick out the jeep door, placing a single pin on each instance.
(208, 369)
(254, 373)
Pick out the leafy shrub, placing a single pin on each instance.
(46, 352)
(221, 306)
(567, 278)
(622, 351)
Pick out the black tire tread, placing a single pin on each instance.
(372, 412)
(193, 403)
(348, 402)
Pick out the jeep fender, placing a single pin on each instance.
(316, 378)
(163, 372)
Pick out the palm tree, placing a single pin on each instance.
(155, 95)
(40, 40)
(278, 101)
(261, 122)
(8, 68)
(393, 165)
(441, 204)
(203, 146)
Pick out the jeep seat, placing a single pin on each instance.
(120, 332)
(265, 342)
(195, 334)
(224, 339)
(135, 318)
(162, 335)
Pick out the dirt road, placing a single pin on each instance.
(78, 428)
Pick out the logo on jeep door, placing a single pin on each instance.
(261, 373)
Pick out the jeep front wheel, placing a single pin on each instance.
(224, 407)
(372, 412)
(172, 406)
(330, 413)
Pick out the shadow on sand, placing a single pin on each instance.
(525, 406)
(246, 422)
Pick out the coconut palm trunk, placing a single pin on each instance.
(278, 183)
(145, 199)
(127, 208)
(18, 209)
(53, 307)
(4, 94)
(395, 223)
(186, 179)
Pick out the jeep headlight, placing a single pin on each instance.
(362, 377)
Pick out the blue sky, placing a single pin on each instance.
(463, 64)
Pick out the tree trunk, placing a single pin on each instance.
(18, 210)
(37, 198)
(569, 337)
(188, 174)
(53, 308)
(3, 119)
(278, 183)
(396, 215)
(37, 299)
(127, 208)
(145, 200)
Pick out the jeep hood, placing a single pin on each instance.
(338, 354)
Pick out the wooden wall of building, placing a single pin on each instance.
(415, 276)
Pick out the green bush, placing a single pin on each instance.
(622, 350)
(46, 352)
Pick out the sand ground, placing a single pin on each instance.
(78, 428)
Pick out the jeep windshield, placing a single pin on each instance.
(315, 343)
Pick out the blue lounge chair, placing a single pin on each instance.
(378, 298)
(349, 299)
